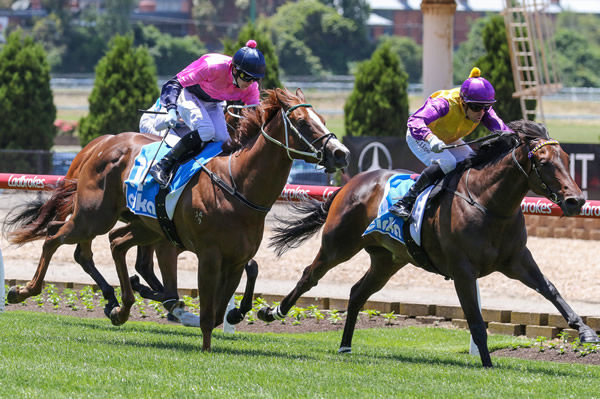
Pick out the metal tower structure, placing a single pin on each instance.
(528, 31)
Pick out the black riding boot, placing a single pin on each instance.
(188, 147)
(403, 207)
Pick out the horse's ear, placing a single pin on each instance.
(300, 94)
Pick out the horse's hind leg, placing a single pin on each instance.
(55, 238)
(383, 267)
(525, 269)
(144, 265)
(121, 239)
(84, 256)
(335, 249)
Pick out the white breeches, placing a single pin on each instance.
(447, 159)
(207, 118)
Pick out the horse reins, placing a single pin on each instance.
(552, 196)
(316, 154)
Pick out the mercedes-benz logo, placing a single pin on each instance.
(370, 159)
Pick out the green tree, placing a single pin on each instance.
(577, 59)
(125, 81)
(410, 53)
(496, 68)
(27, 109)
(469, 51)
(171, 54)
(265, 45)
(116, 18)
(335, 40)
(378, 104)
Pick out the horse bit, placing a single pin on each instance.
(552, 196)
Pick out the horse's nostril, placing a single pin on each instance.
(573, 205)
(341, 158)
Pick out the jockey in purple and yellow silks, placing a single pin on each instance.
(193, 103)
(446, 117)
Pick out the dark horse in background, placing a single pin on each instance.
(474, 227)
(222, 227)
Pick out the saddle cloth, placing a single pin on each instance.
(140, 195)
(387, 223)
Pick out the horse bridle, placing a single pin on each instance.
(551, 195)
(318, 155)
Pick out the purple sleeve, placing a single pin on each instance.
(434, 108)
(493, 122)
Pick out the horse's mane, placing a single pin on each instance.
(498, 146)
(253, 118)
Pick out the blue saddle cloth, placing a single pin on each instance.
(385, 222)
(140, 195)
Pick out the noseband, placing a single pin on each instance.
(551, 195)
(318, 155)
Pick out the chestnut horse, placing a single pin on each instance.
(474, 227)
(222, 224)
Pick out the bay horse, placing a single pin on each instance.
(474, 227)
(222, 225)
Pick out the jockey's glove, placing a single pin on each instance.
(172, 119)
(436, 144)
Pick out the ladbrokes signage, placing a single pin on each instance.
(392, 153)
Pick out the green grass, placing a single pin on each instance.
(581, 132)
(45, 355)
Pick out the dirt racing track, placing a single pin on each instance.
(508, 306)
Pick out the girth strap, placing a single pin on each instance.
(166, 224)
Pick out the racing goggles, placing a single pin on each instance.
(246, 78)
(477, 107)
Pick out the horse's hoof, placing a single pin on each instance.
(587, 335)
(189, 319)
(265, 314)
(13, 294)
(345, 349)
(234, 316)
(109, 307)
(172, 318)
(114, 317)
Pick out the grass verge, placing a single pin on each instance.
(45, 355)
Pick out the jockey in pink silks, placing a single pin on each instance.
(446, 117)
(193, 103)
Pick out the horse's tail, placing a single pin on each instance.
(292, 233)
(29, 222)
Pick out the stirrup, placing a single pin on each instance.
(161, 176)
(400, 210)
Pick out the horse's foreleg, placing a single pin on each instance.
(236, 315)
(121, 239)
(527, 271)
(84, 256)
(381, 270)
(210, 290)
(465, 284)
(34, 286)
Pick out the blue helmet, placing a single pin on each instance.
(250, 60)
